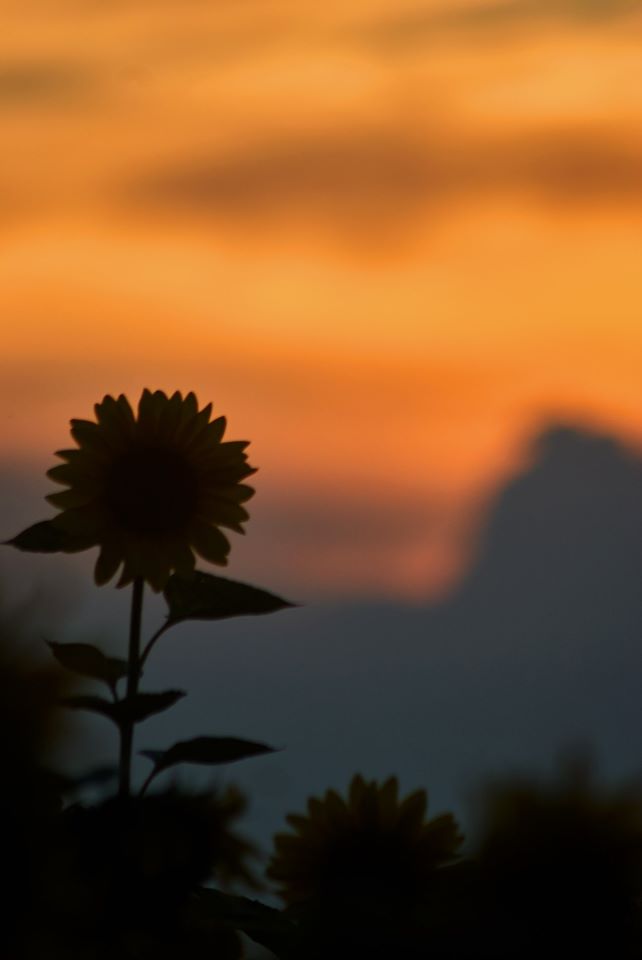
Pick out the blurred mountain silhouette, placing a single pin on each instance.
(539, 650)
(561, 558)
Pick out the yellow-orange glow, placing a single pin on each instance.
(388, 241)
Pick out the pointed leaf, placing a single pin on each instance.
(41, 537)
(106, 708)
(144, 705)
(264, 925)
(89, 661)
(209, 751)
(132, 709)
(202, 596)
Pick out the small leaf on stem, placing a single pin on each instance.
(130, 710)
(264, 925)
(202, 596)
(208, 751)
(89, 661)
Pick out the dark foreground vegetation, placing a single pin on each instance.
(552, 866)
(147, 871)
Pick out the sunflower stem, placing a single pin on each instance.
(133, 674)
(150, 644)
(147, 783)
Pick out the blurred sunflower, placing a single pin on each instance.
(151, 489)
(370, 853)
(561, 862)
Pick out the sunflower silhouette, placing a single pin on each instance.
(151, 489)
(360, 871)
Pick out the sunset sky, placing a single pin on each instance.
(390, 240)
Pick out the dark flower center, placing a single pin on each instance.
(151, 491)
(372, 867)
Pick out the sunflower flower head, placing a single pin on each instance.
(369, 853)
(151, 489)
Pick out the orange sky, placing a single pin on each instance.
(388, 240)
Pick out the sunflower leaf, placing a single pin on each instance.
(202, 596)
(89, 661)
(47, 537)
(130, 710)
(91, 703)
(264, 925)
(208, 751)
(41, 537)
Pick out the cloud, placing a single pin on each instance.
(350, 175)
(42, 81)
(415, 26)
(365, 179)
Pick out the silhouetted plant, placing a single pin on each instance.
(31, 795)
(557, 868)
(560, 864)
(149, 491)
(359, 874)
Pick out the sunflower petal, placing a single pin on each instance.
(336, 808)
(227, 475)
(127, 575)
(192, 430)
(221, 454)
(69, 454)
(150, 408)
(63, 473)
(388, 801)
(413, 809)
(154, 564)
(89, 436)
(239, 493)
(211, 544)
(223, 513)
(183, 560)
(114, 415)
(210, 436)
(315, 808)
(232, 448)
(108, 562)
(66, 499)
(170, 416)
(126, 411)
(298, 822)
(357, 790)
(190, 406)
